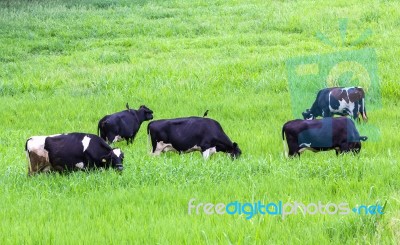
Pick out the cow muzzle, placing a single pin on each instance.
(119, 167)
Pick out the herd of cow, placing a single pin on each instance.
(84, 151)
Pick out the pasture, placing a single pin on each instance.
(66, 64)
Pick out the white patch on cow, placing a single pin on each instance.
(53, 135)
(85, 143)
(80, 165)
(36, 144)
(194, 148)
(342, 106)
(117, 138)
(163, 147)
(117, 152)
(305, 145)
(207, 153)
(307, 148)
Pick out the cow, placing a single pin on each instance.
(190, 134)
(71, 152)
(340, 101)
(124, 124)
(325, 134)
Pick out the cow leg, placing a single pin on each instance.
(293, 153)
(157, 150)
(153, 144)
(208, 152)
(162, 147)
(58, 168)
(37, 163)
(293, 146)
(344, 148)
(326, 113)
(355, 112)
(110, 137)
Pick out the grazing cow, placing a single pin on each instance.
(325, 134)
(124, 124)
(340, 101)
(73, 151)
(190, 134)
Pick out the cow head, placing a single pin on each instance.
(307, 115)
(115, 158)
(146, 112)
(236, 152)
(355, 147)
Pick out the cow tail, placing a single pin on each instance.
(284, 143)
(148, 141)
(26, 144)
(364, 113)
(98, 129)
(27, 157)
(149, 146)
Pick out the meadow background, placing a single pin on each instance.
(65, 64)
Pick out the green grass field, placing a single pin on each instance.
(65, 64)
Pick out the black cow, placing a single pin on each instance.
(123, 124)
(70, 152)
(190, 134)
(325, 134)
(340, 101)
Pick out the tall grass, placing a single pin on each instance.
(65, 64)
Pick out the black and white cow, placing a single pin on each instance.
(337, 133)
(70, 152)
(190, 134)
(124, 124)
(340, 101)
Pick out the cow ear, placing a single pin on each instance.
(235, 145)
(127, 106)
